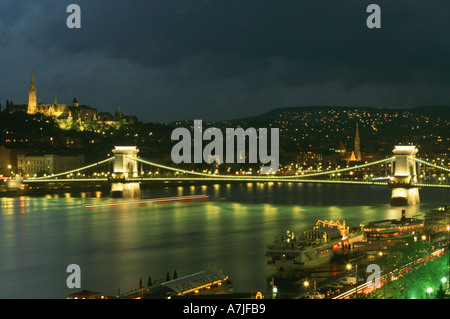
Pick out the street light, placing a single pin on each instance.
(349, 266)
(385, 274)
(429, 291)
(274, 288)
(448, 249)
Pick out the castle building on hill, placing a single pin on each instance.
(74, 116)
(53, 110)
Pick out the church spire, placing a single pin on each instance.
(32, 98)
(32, 85)
(357, 144)
(357, 132)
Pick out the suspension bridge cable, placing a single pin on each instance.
(74, 170)
(345, 169)
(432, 165)
(261, 177)
(175, 169)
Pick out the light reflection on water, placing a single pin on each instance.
(116, 246)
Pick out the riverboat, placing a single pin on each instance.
(391, 229)
(312, 247)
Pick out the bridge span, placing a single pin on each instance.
(125, 180)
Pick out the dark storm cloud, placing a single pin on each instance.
(222, 59)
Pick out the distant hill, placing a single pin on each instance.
(442, 111)
(432, 111)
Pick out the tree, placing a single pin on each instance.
(440, 294)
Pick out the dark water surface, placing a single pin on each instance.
(117, 246)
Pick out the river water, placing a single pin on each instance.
(116, 246)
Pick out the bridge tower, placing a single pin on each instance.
(404, 191)
(124, 167)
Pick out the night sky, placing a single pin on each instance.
(167, 60)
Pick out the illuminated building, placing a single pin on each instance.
(36, 163)
(353, 156)
(73, 116)
(8, 157)
(35, 106)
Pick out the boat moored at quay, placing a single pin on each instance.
(313, 247)
(317, 246)
(391, 229)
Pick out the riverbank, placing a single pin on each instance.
(422, 244)
(423, 282)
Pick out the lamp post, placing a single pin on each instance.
(349, 266)
(306, 285)
(383, 255)
(429, 291)
(274, 288)
(448, 249)
(274, 292)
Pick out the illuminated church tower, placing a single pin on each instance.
(32, 97)
(357, 144)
